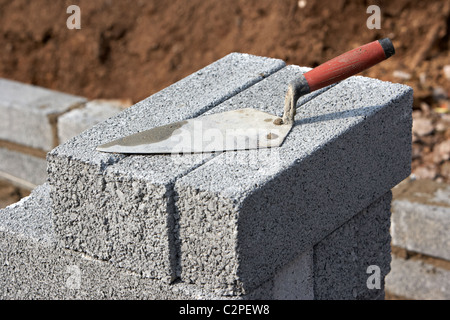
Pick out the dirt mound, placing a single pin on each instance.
(131, 49)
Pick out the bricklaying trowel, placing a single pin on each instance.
(246, 129)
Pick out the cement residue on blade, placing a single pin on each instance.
(154, 135)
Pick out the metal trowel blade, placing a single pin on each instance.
(242, 129)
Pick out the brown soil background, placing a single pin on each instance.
(132, 49)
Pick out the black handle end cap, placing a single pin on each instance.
(387, 46)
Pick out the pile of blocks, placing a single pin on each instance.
(421, 240)
(35, 120)
(307, 220)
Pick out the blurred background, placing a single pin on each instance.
(132, 49)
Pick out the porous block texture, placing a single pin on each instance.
(418, 279)
(231, 222)
(78, 120)
(352, 262)
(33, 266)
(121, 209)
(243, 215)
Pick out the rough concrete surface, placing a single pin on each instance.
(418, 280)
(421, 228)
(231, 223)
(343, 260)
(295, 281)
(30, 217)
(78, 120)
(120, 208)
(421, 218)
(33, 266)
(243, 214)
(27, 113)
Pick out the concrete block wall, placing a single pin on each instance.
(303, 221)
(35, 120)
(421, 240)
(34, 266)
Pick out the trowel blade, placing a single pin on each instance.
(242, 129)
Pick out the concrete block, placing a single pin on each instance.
(30, 217)
(416, 279)
(119, 208)
(32, 266)
(29, 113)
(421, 217)
(341, 264)
(295, 281)
(246, 225)
(229, 222)
(78, 120)
(158, 174)
(30, 170)
(242, 215)
(345, 259)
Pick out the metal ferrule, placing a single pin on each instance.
(297, 88)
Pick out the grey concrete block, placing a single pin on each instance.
(120, 208)
(343, 260)
(32, 271)
(28, 111)
(78, 120)
(32, 170)
(32, 266)
(238, 224)
(338, 266)
(242, 215)
(416, 279)
(30, 217)
(295, 281)
(421, 217)
(235, 219)
(185, 99)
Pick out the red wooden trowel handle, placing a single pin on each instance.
(349, 64)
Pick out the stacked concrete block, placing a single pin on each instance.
(35, 120)
(22, 169)
(78, 120)
(27, 130)
(420, 224)
(28, 113)
(349, 146)
(306, 220)
(33, 266)
(342, 265)
(351, 262)
(121, 209)
(418, 279)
